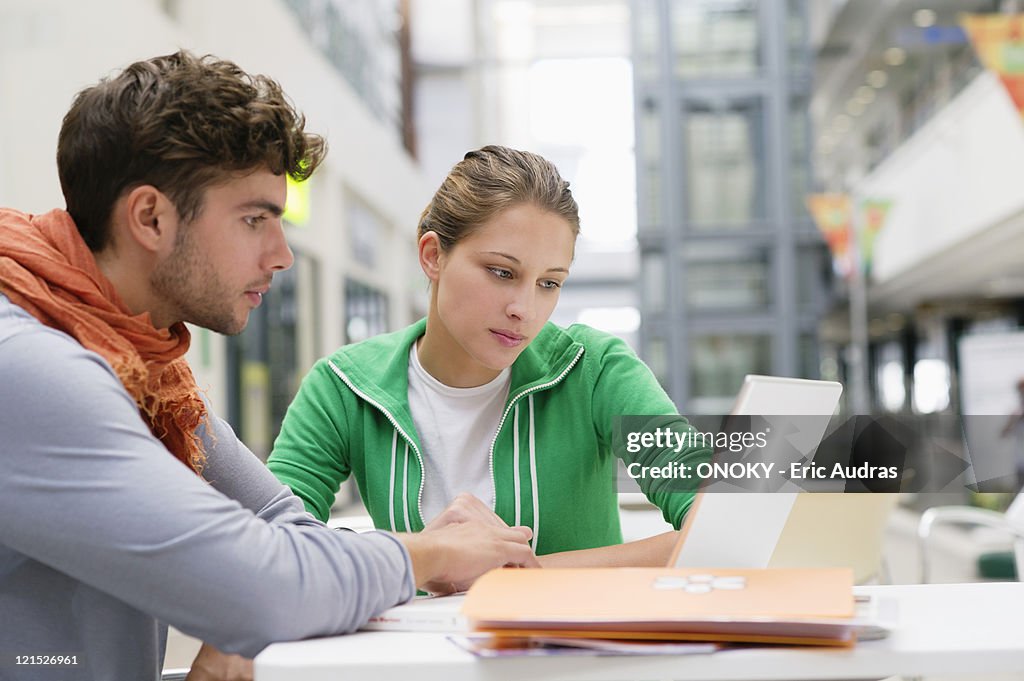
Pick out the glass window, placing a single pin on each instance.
(655, 282)
(650, 132)
(713, 38)
(656, 356)
(645, 16)
(359, 40)
(366, 311)
(813, 278)
(797, 38)
(651, 196)
(810, 356)
(890, 377)
(724, 154)
(799, 157)
(727, 276)
(719, 362)
(931, 386)
(649, 148)
(364, 228)
(263, 370)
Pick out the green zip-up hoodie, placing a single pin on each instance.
(551, 459)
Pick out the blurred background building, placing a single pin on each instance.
(692, 132)
(903, 110)
(735, 276)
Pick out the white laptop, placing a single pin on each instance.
(742, 529)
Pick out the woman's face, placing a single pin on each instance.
(497, 287)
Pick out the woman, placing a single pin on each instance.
(485, 396)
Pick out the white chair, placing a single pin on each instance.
(1012, 522)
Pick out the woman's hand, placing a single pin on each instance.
(463, 509)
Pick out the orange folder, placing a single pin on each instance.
(812, 606)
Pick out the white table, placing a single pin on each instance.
(943, 629)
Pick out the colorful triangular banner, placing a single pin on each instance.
(874, 212)
(999, 41)
(831, 214)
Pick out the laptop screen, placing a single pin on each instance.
(742, 529)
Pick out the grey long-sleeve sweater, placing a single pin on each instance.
(105, 538)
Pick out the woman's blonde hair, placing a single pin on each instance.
(488, 181)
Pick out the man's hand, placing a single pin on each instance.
(463, 509)
(213, 665)
(448, 559)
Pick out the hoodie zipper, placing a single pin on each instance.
(394, 422)
(398, 428)
(511, 404)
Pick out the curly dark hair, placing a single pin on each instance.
(180, 123)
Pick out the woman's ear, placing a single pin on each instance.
(430, 254)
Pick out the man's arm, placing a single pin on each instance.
(441, 555)
(232, 469)
(480, 547)
(135, 523)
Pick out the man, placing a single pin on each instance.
(126, 504)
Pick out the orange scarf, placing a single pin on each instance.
(46, 268)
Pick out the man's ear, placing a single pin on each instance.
(430, 255)
(151, 219)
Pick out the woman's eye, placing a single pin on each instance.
(500, 273)
(550, 284)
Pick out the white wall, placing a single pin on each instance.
(49, 50)
(956, 177)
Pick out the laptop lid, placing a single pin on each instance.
(742, 529)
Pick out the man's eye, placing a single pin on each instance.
(255, 220)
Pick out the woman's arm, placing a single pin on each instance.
(650, 552)
(311, 452)
(624, 387)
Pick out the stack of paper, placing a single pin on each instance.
(791, 606)
(490, 645)
(423, 613)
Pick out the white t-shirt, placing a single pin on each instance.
(456, 427)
